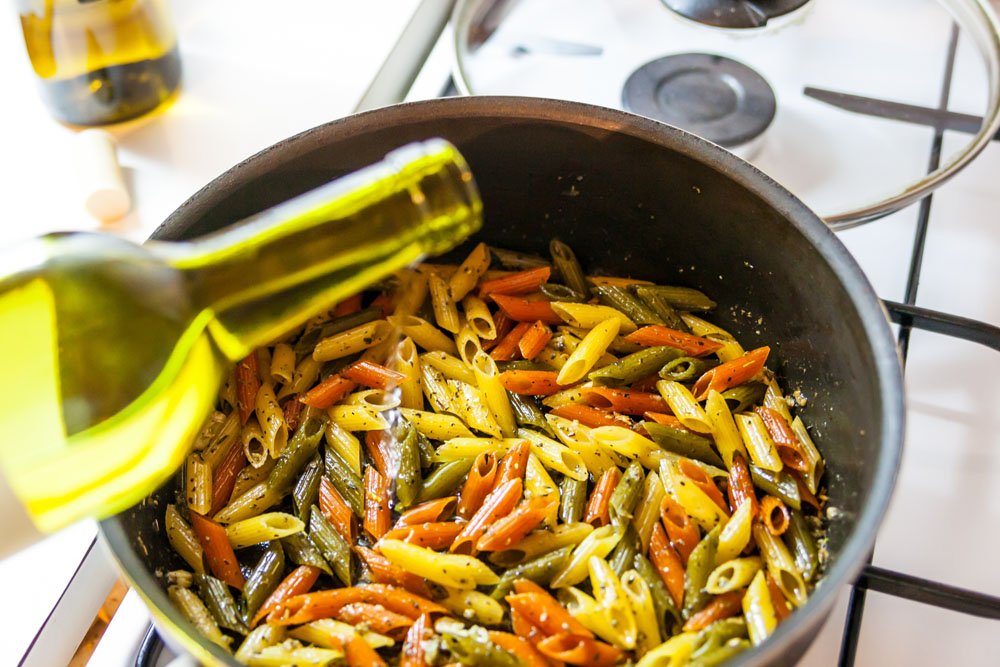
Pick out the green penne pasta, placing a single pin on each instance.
(300, 549)
(683, 442)
(635, 366)
(303, 444)
(345, 481)
(264, 578)
(682, 298)
(625, 496)
(305, 493)
(220, 604)
(619, 298)
(573, 498)
(445, 479)
(540, 570)
(331, 545)
(700, 564)
(684, 369)
(648, 295)
(569, 268)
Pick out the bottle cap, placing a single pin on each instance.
(100, 176)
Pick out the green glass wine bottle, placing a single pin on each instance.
(113, 353)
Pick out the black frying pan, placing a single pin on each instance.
(632, 197)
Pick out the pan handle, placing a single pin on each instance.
(944, 323)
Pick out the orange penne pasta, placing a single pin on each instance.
(625, 401)
(503, 324)
(218, 551)
(291, 410)
(439, 509)
(522, 310)
(522, 282)
(667, 420)
(519, 648)
(377, 444)
(722, 606)
(646, 385)
(507, 348)
(478, 484)
(378, 513)
(530, 383)
(731, 374)
(376, 617)
(328, 392)
(498, 504)
(384, 301)
(778, 600)
(697, 476)
(787, 443)
(588, 415)
(351, 304)
(597, 512)
(511, 529)
(337, 511)
(534, 340)
(541, 609)
(224, 477)
(360, 654)
(298, 582)
(370, 374)
(655, 335)
(775, 515)
(681, 530)
(577, 650)
(247, 384)
(413, 654)
(524, 628)
(383, 571)
(740, 486)
(667, 563)
(513, 464)
(435, 536)
(327, 603)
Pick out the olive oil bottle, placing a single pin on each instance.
(113, 353)
(101, 61)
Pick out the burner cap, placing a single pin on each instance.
(714, 97)
(738, 14)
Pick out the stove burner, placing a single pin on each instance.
(714, 97)
(738, 14)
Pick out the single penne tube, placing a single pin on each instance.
(435, 386)
(263, 528)
(451, 367)
(445, 310)
(290, 654)
(474, 409)
(452, 570)
(376, 400)
(586, 610)
(735, 535)
(542, 542)
(479, 318)
(437, 426)
(758, 610)
(672, 653)
(249, 477)
(303, 378)
(629, 443)
(263, 364)
(775, 399)
(412, 292)
(611, 598)
(647, 511)
(781, 565)
(344, 444)
(209, 430)
(730, 348)
(406, 361)
(472, 606)
(467, 342)
(640, 599)
(813, 459)
(254, 445)
(487, 377)
(227, 394)
(327, 633)
(598, 543)
(197, 484)
(591, 349)
(565, 397)
(538, 483)
(758, 441)
(271, 419)
(254, 501)
(461, 448)
(282, 363)
(733, 574)
(183, 539)
(580, 439)
(684, 407)
(588, 316)
(228, 432)
(357, 418)
(469, 272)
(724, 431)
(555, 455)
(195, 611)
(695, 502)
(262, 636)
(353, 340)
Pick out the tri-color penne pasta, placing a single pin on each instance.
(503, 464)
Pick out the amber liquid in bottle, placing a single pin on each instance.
(101, 61)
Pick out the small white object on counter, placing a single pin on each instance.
(105, 195)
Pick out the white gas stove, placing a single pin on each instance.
(940, 534)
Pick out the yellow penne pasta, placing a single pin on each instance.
(541, 542)
(733, 574)
(567, 339)
(271, 420)
(412, 292)
(538, 483)
(758, 441)
(683, 405)
(327, 633)
(445, 310)
(590, 350)
(672, 653)
(647, 511)
(555, 455)
(469, 271)
(473, 408)
(406, 361)
(758, 610)
(730, 349)
(590, 614)
(781, 565)
(195, 611)
(695, 502)
(479, 317)
(255, 501)
(250, 477)
(380, 352)
(641, 601)
(565, 397)
(598, 543)
(813, 459)
(227, 394)
(451, 367)
(588, 316)
(262, 636)
(472, 606)
(354, 340)
(487, 377)
(579, 438)
(282, 363)
(357, 418)
(612, 601)
(209, 430)
(254, 446)
(423, 333)
(303, 378)
(629, 443)
(263, 528)
(463, 448)
(467, 342)
(435, 386)
(727, 437)
(184, 540)
(552, 357)
(735, 535)
(344, 444)
(197, 484)
(452, 570)
(376, 400)
(437, 426)
(281, 655)
(775, 399)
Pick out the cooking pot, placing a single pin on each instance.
(632, 197)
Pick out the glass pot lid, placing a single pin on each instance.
(803, 96)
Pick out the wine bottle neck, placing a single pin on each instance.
(271, 273)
